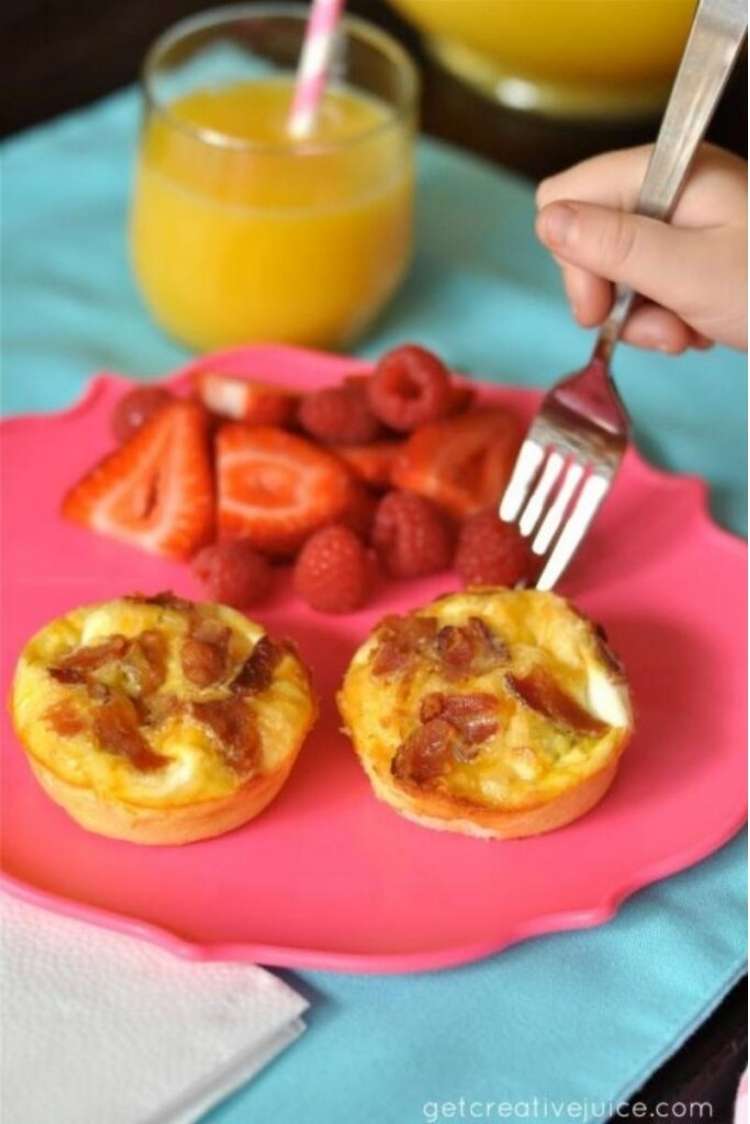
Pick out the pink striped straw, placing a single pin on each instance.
(315, 61)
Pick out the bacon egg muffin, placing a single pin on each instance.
(157, 720)
(493, 712)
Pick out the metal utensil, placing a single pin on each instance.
(577, 440)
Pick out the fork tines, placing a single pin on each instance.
(563, 472)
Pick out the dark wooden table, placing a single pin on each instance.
(59, 54)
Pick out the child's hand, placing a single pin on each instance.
(693, 271)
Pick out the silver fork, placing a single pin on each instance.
(577, 440)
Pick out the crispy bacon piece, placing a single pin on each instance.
(473, 716)
(426, 753)
(65, 718)
(233, 723)
(144, 658)
(468, 750)
(256, 673)
(609, 658)
(485, 639)
(116, 729)
(67, 675)
(457, 708)
(453, 728)
(542, 693)
(470, 649)
(79, 663)
(204, 652)
(165, 599)
(454, 648)
(401, 638)
(432, 706)
(147, 660)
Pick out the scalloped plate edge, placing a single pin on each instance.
(283, 956)
(584, 916)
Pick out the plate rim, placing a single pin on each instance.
(587, 915)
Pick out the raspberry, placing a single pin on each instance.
(333, 572)
(410, 386)
(234, 573)
(411, 535)
(339, 415)
(491, 552)
(135, 408)
(360, 512)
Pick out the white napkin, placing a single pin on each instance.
(98, 1026)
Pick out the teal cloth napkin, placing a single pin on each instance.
(576, 1019)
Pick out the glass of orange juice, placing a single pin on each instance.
(239, 233)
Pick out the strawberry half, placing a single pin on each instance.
(156, 490)
(371, 463)
(275, 488)
(462, 463)
(257, 403)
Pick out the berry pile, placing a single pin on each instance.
(393, 472)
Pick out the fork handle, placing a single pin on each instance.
(715, 38)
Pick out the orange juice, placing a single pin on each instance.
(240, 234)
(599, 52)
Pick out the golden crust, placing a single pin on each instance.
(451, 813)
(179, 824)
(199, 791)
(485, 797)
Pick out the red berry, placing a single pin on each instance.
(360, 512)
(135, 408)
(333, 572)
(410, 386)
(371, 463)
(411, 535)
(275, 488)
(462, 398)
(357, 382)
(339, 415)
(491, 552)
(234, 573)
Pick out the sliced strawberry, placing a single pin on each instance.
(463, 463)
(257, 403)
(371, 463)
(276, 488)
(156, 490)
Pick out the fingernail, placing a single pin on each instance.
(556, 223)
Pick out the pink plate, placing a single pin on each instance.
(328, 877)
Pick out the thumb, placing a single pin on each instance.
(648, 255)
